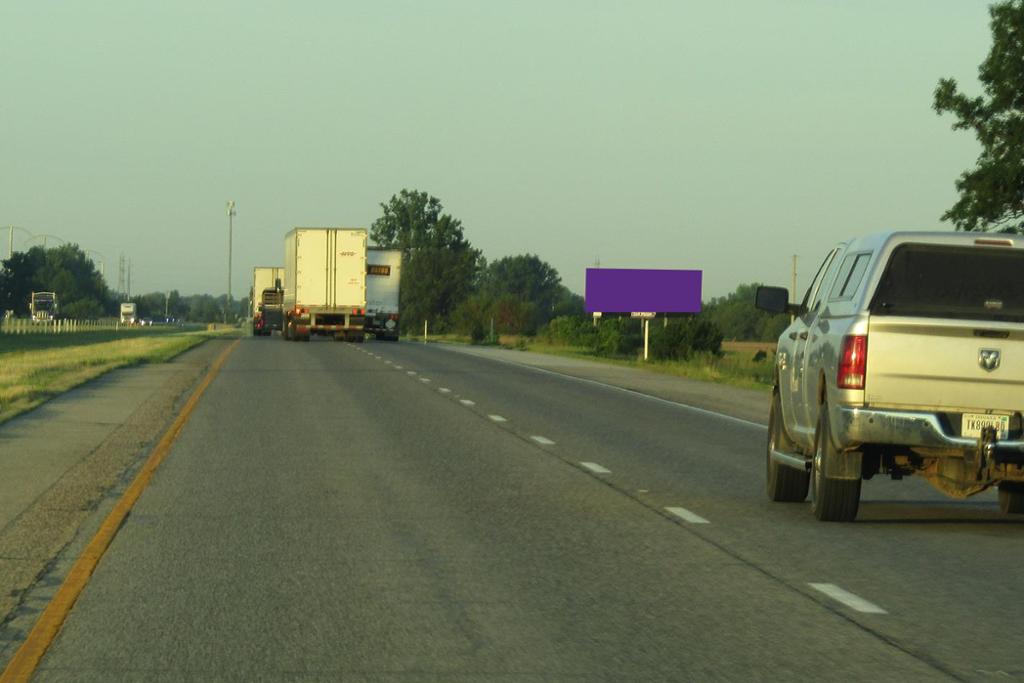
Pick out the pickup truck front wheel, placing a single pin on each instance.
(1011, 498)
(832, 500)
(784, 484)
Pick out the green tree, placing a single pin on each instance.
(992, 194)
(440, 266)
(64, 270)
(17, 279)
(739, 320)
(528, 279)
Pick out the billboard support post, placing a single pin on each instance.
(647, 331)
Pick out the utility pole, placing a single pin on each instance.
(120, 275)
(10, 244)
(794, 277)
(129, 279)
(231, 217)
(792, 317)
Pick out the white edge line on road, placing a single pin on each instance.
(497, 418)
(445, 390)
(854, 602)
(543, 440)
(594, 467)
(687, 516)
(677, 404)
(466, 402)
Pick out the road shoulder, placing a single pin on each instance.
(743, 404)
(67, 459)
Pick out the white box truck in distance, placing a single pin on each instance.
(383, 276)
(325, 283)
(128, 313)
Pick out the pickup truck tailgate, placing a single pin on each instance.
(958, 365)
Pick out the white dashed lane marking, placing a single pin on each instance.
(595, 468)
(445, 390)
(854, 602)
(398, 367)
(410, 372)
(687, 516)
(466, 402)
(543, 440)
(424, 380)
(497, 418)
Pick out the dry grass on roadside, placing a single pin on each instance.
(28, 378)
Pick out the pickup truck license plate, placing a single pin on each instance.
(973, 422)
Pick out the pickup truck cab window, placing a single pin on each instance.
(851, 273)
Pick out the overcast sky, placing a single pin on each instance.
(717, 136)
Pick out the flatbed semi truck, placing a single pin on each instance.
(325, 283)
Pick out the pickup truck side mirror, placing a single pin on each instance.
(775, 300)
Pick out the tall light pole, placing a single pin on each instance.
(231, 217)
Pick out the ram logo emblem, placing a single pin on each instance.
(988, 359)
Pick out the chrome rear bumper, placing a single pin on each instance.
(852, 427)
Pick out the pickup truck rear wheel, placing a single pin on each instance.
(832, 500)
(1011, 498)
(784, 484)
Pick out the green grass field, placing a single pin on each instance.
(35, 368)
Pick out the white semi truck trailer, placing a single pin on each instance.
(325, 283)
(383, 276)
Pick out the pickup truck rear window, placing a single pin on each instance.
(961, 283)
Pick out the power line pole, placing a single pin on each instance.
(10, 244)
(120, 275)
(129, 278)
(231, 216)
(791, 317)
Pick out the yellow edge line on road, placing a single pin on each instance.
(23, 665)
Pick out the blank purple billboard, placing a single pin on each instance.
(628, 290)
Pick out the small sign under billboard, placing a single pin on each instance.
(628, 290)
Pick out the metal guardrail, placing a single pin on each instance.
(29, 326)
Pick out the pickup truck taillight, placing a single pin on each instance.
(853, 362)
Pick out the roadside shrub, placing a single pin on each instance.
(618, 337)
(681, 338)
(570, 331)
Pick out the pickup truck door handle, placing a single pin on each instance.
(792, 335)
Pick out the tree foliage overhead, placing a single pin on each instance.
(440, 266)
(992, 194)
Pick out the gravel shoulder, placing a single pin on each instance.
(65, 459)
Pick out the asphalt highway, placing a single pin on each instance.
(401, 512)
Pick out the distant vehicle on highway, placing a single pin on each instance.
(43, 306)
(265, 299)
(128, 313)
(325, 283)
(906, 356)
(383, 277)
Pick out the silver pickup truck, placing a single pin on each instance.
(906, 356)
